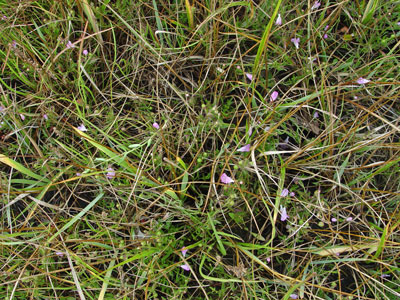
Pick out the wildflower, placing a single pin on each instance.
(82, 128)
(249, 76)
(349, 219)
(185, 267)
(14, 44)
(334, 220)
(278, 20)
(325, 36)
(70, 45)
(316, 115)
(78, 174)
(274, 96)
(398, 23)
(111, 173)
(355, 97)
(316, 5)
(284, 193)
(184, 251)
(292, 194)
(60, 254)
(385, 276)
(4, 18)
(362, 80)
(268, 260)
(296, 42)
(294, 296)
(45, 117)
(85, 52)
(250, 131)
(284, 215)
(22, 117)
(326, 27)
(226, 179)
(156, 126)
(244, 148)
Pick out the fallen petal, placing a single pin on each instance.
(274, 96)
(85, 52)
(294, 296)
(284, 193)
(185, 267)
(244, 148)
(278, 20)
(334, 220)
(316, 5)
(362, 80)
(184, 251)
(249, 76)
(284, 215)
(156, 126)
(226, 179)
(82, 127)
(22, 117)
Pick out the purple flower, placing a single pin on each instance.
(45, 117)
(249, 76)
(349, 219)
(111, 173)
(326, 27)
(22, 117)
(334, 220)
(398, 23)
(316, 5)
(70, 45)
(226, 179)
(385, 276)
(184, 251)
(316, 115)
(294, 296)
(244, 148)
(4, 18)
(325, 36)
(82, 128)
(85, 52)
(250, 131)
(362, 80)
(14, 44)
(60, 254)
(274, 96)
(185, 267)
(284, 215)
(284, 193)
(156, 126)
(268, 260)
(296, 42)
(292, 194)
(278, 20)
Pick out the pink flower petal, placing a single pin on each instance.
(278, 20)
(294, 296)
(45, 117)
(296, 42)
(274, 96)
(226, 179)
(184, 251)
(292, 194)
(70, 45)
(334, 220)
(85, 52)
(185, 267)
(316, 115)
(111, 173)
(156, 126)
(82, 128)
(316, 5)
(362, 80)
(245, 148)
(325, 36)
(22, 117)
(326, 27)
(284, 193)
(58, 253)
(349, 219)
(268, 259)
(249, 76)
(284, 215)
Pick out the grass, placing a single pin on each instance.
(98, 202)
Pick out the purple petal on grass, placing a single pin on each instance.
(58, 253)
(226, 179)
(385, 276)
(22, 117)
(349, 219)
(326, 27)
(184, 251)
(85, 52)
(292, 194)
(325, 36)
(334, 220)
(249, 76)
(284, 215)
(316, 5)
(268, 260)
(316, 115)
(78, 174)
(284, 193)
(294, 296)
(185, 267)
(278, 20)
(69, 45)
(82, 127)
(296, 42)
(111, 173)
(14, 44)
(4, 18)
(250, 131)
(156, 126)
(45, 117)
(245, 148)
(362, 80)
(274, 96)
